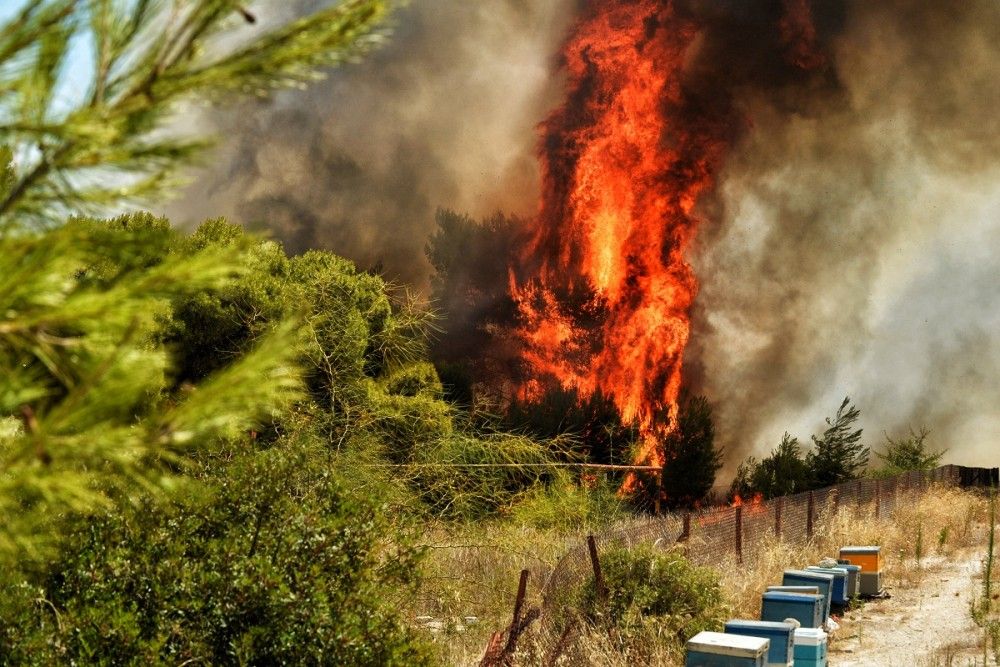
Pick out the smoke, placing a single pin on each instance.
(442, 115)
(850, 249)
(849, 245)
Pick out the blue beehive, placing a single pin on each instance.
(807, 578)
(807, 609)
(839, 594)
(780, 635)
(853, 578)
(810, 647)
(715, 649)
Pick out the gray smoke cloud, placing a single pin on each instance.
(850, 247)
(443, 115)
(853, 248)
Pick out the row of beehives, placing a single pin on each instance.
(794, 616)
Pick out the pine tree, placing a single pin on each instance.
(85, 418)
(114, 144)
(692, 459)
(909, 453)
(839, 454)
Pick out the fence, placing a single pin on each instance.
(714, 535)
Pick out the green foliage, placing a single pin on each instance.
(909, 453)
(86, 379)
(113, 144)
(783, 472)
(692, 459)
(654, 596)
(839, 454)
(269, 562)
(570, 504)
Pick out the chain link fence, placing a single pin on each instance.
(713, 535)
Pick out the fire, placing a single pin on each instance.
(604, 289)
(755, 503)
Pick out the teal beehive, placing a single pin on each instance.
(780, 635)
(838, 594)
(810, 647)
(716, 649)
(807, 609)
(807, 578)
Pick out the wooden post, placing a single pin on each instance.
(809, 516)
(860, 504)
(739, 534)
(836, 499)
(878, 499)
(602, 589)
(522, 587)
(659, 492)
(686, 531)
(778, 506)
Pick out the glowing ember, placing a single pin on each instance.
(604, 290)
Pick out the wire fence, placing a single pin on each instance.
(713, 535)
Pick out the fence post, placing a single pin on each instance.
(836, 498)
(602, 590)
(878, 499)
(778, 506)
(739, 534)
(860, 496)
(686, 532)
(809, 516)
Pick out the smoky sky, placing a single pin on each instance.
(849, 247)
(442, 115)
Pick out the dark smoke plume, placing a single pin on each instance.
(849, 246)
(442, 115)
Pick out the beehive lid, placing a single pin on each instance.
(811, 574)
(860, 550)
(739, 646)
(849, 567)
(809, 590)
(781, 596)
(771, 626)
(834, 571)
(809, 637)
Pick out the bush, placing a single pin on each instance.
(271, 563)
(568, 504)
(655, 597)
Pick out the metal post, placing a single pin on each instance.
(602, 589)
(739, 534)
(809, 516)
(778, 506)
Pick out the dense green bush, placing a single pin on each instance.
(654, 596)
(269, 563)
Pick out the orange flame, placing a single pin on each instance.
(604, 290)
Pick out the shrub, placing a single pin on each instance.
(654, 597)
(271, 563)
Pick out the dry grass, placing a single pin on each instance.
(473, 571)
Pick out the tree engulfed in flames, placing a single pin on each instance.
(603, 289)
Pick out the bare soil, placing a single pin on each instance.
(927, 621)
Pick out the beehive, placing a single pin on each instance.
(716, 649)
(839, 593)
(780, 635)
(853, 579)
(808, 610)
(810, 647)
(870, 560)
(807, 578)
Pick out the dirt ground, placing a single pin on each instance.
(926, 622)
